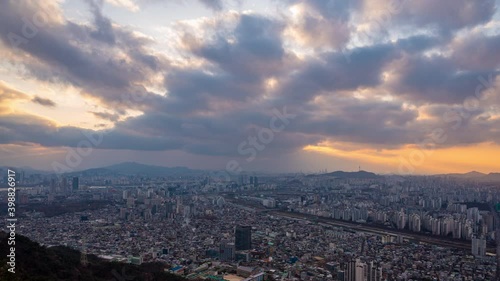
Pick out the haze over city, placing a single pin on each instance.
(399, 87)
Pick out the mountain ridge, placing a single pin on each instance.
(136, 168)
(474, 175)
(351, 175)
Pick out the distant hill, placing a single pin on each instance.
(133, 168)
(474, 174)
(35, 262)
(468, 175)
(477, 176)
(494, 177)
(351, 175)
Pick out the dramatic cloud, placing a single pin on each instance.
(332, 72)
(215, 5)
(361, 73)
(107, 116)
(43, 101)
(109, 63)
(436, 79)
(447, 15)
(477, 52)
(7, 96)
(320, 24)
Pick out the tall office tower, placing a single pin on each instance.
(478, 247)
(75, 183)
(255, 181)
(243, 237)
(226, 251)
(251, 180)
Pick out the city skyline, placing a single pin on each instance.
(279, 86)
(125, 167)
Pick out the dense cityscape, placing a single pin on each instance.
(322, 226)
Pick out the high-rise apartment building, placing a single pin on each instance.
(243, 237)
(75, 184)
(478, 247)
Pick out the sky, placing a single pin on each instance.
(389, 86)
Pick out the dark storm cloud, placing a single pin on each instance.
(331, 71)
(104, 30)
(420, 43)
(238, 69)
(215, 5)
(106, 116)
(368, 121)
(477, 52)
(337, 9)
(437, 79)
(463, 126)
(257, 50)
(30, 129)
(43, 101)
(445, 15)
(192, 90)
(195, 133)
